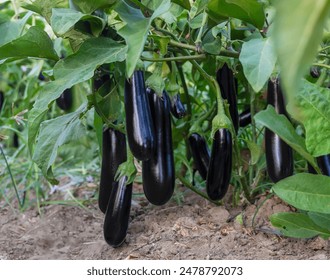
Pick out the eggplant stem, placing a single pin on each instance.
(185, 182)
(178, 58)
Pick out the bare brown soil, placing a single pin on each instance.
(194, 230)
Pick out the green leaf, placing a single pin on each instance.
(44, 7)
(255, 150)
(35, 43)
(89, 6)
(136, 29)
(11, 30)
(297, 225)
(298, 30)
(312, 105)
(53, 134)
(306, 192)
(156, 81)
(63, 20)
(161, 42)
(213, 47)
(74, 69)
(250, 11)
(258, 60)
(280, 125)
(322, 220)
(183, 3)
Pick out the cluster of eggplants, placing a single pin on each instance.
(149, 136)
(216, 168)
(279, 155)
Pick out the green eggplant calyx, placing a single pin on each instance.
(127, 169)
(219, 122)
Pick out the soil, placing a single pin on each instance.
(195, 229)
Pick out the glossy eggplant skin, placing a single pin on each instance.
(64, 102)
(139, 124)
(324, 164)
(177, 108)
(245, 118)
(200, 153)
(117, 215)
(279, 156)
(2, 99)
(158, 173)
(228, 88)
(113, 154)
(219, 171)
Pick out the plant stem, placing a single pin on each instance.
(187, 184)
(11, 177)
(322, 65)
(178, 58)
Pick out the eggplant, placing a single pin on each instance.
(113, 154)
(139, 124)
(324, 164)
(64, 102)
(177, 108)
(200, 153)
(279, 155)
(41, 77)
(15, 140)
(228, 88)
(158, 172)
(220, 167)
(2, 99)
(117, 214)
(245, 118)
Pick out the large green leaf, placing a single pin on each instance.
(53, 134)
(298, 30)
(306, 192)
(250, 11)
(136, 29)
(11, 30)
(322, 220)
(313, 111)
(297, 225)
(62, 20)
(44, 7)
(35, 43)
(258, 60)
(89, 6)
(75, 69)
(280, 125)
